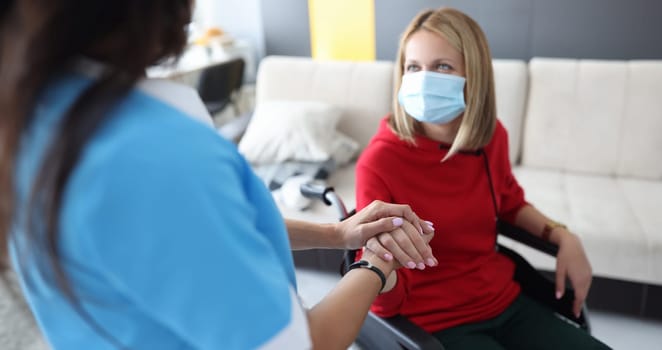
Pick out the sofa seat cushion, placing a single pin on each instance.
(645, 197)
(617, 219)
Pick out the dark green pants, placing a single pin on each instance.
(523, 325)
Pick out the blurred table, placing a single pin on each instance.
(196, 58)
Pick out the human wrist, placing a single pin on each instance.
(334, 237)
(560, 235)
(385, 266)
(364, 264)
(552, 231)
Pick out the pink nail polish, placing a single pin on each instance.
(558, 294)
(397, 221)
(411, 265)
(430, 223)
(388, 257)
(421, 266)
(430, 262)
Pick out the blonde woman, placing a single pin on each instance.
(134, 225)
(444, 131)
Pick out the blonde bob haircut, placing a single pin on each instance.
(465, 35)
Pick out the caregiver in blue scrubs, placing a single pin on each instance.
(131, 223)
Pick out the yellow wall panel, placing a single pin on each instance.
(342, 29)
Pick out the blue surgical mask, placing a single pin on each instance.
(432, 97)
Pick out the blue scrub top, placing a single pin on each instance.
(169, 239)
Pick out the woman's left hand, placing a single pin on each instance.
(571, 262)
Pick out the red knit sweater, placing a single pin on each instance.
(472, 281)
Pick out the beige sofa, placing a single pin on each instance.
(585, 142)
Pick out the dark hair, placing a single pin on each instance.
(40, 38)
(4, 6)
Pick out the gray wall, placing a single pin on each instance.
(606, 29)
(286, 27)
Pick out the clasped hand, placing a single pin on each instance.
(392, 232)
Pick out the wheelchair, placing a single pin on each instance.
(397, 332)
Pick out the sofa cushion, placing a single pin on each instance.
(596, 117)
(510, 85)
(645, 197)
(361, 89)
(574, 115)
(614, 218)
(641, 137)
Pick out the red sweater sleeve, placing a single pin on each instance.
(369, 187)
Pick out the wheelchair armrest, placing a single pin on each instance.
(542, 289)
(515, 233)
(396, 332)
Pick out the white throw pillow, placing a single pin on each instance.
(296, 130)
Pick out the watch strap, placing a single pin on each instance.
(367, 265)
